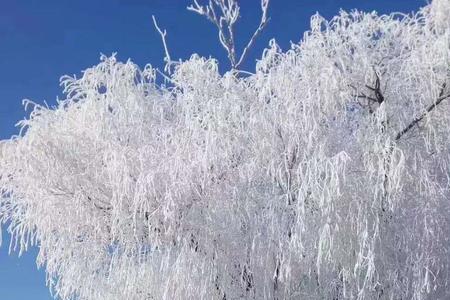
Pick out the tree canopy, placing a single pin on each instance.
(324, 174)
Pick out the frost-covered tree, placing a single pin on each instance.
(323, 175)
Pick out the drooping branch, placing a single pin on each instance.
(161, 208)
(229, 14)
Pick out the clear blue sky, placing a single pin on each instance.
(42, 40)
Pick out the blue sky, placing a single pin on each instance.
(42, 40)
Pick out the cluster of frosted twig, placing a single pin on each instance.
(324, 175)
(224, 14)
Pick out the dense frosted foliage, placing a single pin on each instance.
(324, 175)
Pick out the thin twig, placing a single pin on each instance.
(262, 25)
(163, 34)
(229, 14)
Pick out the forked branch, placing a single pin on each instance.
(225, 20)
(377, 94)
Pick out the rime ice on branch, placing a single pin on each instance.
(325, 175)
(224, 14)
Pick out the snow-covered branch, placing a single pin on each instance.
(431, 107)
(297, 181)
(224, 14)
(167, 59)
